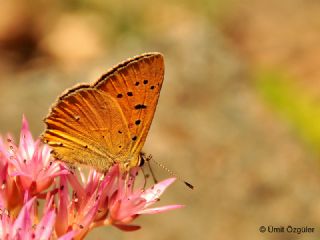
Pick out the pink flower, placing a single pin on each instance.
(28, 175)
(125, 204)
(106, 200)
(120, 203)
(33, 166)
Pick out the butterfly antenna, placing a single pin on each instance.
(189, 185)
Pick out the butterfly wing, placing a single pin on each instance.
(87, 126)
(136, 85)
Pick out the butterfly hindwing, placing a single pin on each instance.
(87, 127)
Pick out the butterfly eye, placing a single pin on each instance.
(141, 162)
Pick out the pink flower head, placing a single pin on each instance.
(33, 166)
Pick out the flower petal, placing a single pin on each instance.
(23, 221)
(153, 193)
(61, 224)
(127, 228)
(69, 235)
(26, 144)
(160, 209)
(45, 227)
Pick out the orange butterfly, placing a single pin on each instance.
(107, 122)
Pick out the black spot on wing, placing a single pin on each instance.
(140, 106)
(137, 122)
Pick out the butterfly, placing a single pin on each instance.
(107, 122)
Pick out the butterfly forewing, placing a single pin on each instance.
(136, 86)
(88, 127)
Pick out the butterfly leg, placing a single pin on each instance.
(145, 176)
(150, 168)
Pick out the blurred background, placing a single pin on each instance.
(239, 110)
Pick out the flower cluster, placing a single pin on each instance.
(40, 198)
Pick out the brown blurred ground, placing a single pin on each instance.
(211, 126)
